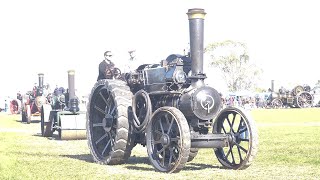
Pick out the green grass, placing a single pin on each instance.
(289, 148)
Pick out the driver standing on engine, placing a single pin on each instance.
(104, 65)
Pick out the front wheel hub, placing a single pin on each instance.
(165, 140)
(107, 122)
(232, 138)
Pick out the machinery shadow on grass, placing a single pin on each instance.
(138, 160)
(198, 166)
(134, 161)
(190, 166)
(33, 121)
(54, 136)
(82, 157)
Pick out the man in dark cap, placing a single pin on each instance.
(106, 65)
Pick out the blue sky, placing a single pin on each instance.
(54, 36)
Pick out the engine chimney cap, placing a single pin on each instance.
(40, 74)
(71, 72)
(196, 13)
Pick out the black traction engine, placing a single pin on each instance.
(168, 108)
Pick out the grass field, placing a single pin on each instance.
(289, 148)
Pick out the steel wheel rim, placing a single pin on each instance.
(236, 126)
(103, 124)
(277, 103)
(165, 141)
(304, 100)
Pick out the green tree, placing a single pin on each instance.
(232, 59)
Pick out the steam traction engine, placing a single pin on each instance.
(64, 115)
(298, 97)
(32, 101)
(168, 108)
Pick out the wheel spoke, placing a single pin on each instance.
(170, 157)
(102, 97)
(109, 104)
(233, 162)
(99, 109)
(239, 154)
(161, 150)
(174, 139)
(170, 126)
(163, 157)
(231, 129)
(105, 148)
(97, 125)
(156, 142)
(102, 137)
(160, 122)
(232, 123)
(242, 148)
(241, 120)
(166, 117)
(113, 109)
(228, 153)
(224, 130)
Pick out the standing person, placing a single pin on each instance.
(104, 65)
(131, 62)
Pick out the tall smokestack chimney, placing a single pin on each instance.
(40, 75)
(73, 101)
(196, 30)
(272, 85)
(71, 83)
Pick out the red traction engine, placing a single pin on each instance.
(33, 101)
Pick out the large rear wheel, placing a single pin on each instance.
(109, 131)
(243, 138)
(168, 140)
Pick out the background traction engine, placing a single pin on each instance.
(298, 97)
(64, 115)
(168, 108)
(32, 101)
